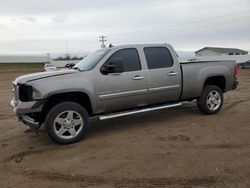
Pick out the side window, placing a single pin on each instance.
(158, 57)
(130, 58)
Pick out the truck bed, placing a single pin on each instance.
(194, 74)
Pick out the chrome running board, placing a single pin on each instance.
(126, 113)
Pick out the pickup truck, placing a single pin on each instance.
(118, 81)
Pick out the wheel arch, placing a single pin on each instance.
(79, 97)
(218, 81)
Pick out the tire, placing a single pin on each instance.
(67, 123)
(211, 100)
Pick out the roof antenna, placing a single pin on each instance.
(110, 46)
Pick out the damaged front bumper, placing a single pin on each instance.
(24, 110)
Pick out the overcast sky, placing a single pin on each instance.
(44, 26)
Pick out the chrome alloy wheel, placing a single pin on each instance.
(68, 124)
(213, 100)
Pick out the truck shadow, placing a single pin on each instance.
(154, 118)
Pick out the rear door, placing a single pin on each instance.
(164, 75)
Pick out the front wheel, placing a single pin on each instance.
(211, 100)
(67, 123)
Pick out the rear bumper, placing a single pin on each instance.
(235, 84)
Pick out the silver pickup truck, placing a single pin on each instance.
(115, 82)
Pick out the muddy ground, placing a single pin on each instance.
(169, 148)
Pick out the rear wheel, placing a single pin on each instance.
(211, 100)
(67, 123)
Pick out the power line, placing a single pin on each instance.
(67, 49)
(183, 27)
(202, 21)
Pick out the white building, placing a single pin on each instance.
(214, 51)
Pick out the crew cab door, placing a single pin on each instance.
(164, 81)
(124, 90)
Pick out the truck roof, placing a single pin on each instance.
(140, 45)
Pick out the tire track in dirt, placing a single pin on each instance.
(204, 181)
(236, 102)
(232, 100)
(30, 152)
(6, 116)
(221, 146)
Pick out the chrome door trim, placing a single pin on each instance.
(122, 94)
(164, 88)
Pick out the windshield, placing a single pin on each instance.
(91, 60)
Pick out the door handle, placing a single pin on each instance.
(138, 77)
(172, 73)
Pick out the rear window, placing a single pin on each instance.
(158, 57)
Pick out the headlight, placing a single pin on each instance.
(25, 92)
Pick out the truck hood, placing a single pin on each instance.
(37, 76)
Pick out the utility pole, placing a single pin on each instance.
(103, 39)
(67, 50)
(49, 60)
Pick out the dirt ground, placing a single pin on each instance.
(169, 148)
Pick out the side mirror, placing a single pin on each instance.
(112, 67)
